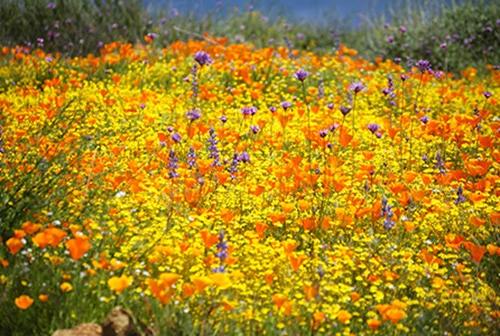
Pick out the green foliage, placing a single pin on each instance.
(71, 26)
(451, 37)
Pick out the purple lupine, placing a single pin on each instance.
(191, 157)
(334, 127)
(345, 110)
(323, 133)
(212, 148)
(255, 129)
(373, 127)
(223, 119)
(423, 65)
(301, 75)
(330, 106)
(286, 105)
(440, 163)
(460, 196)
(424, 119)
(244, 157)
(249, 110)
(388, 213)
(404, 77)
(321, 89)
(193, 114)
(357, 87)
(202, 58)
(172, 164)
(233, 168)
(272, 109)
(194, 84)
(176, 137)
(487, 94)
(221, 254)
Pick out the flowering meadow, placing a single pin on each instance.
(216, 189)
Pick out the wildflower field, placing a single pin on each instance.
(215, 188)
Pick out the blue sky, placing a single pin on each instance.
(309, 10)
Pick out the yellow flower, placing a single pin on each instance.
(66, 287)
(119, 284)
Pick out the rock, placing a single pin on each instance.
(84, 329)
(119, 323)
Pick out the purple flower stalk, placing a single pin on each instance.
(172, 164)
(191, 157)
(301, 75)
(460, 196)
(203, 58)
(212, 148)
(193, 115)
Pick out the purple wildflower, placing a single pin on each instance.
(357, 87)
(191, 157)
(203, 58)
(244, 157)
(440, 163)
(487, 94)
(51, 5)
(255, 129)
(323, 133)
(330, 106)
(249, 110)
(403, 29)
(223, 119)
(172, 164)
(272, 109)
(443, 45)
(212, 148)
(388, 213)
(176, 137)
(301, 75)
(423, 65)
(424, 119)
(460, 196)
(345, 110)
(286, 105)
(193, 115)
(334, 127)
(373, 127)
(390, 39)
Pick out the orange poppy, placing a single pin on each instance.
(78, 246)
(23, 302)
